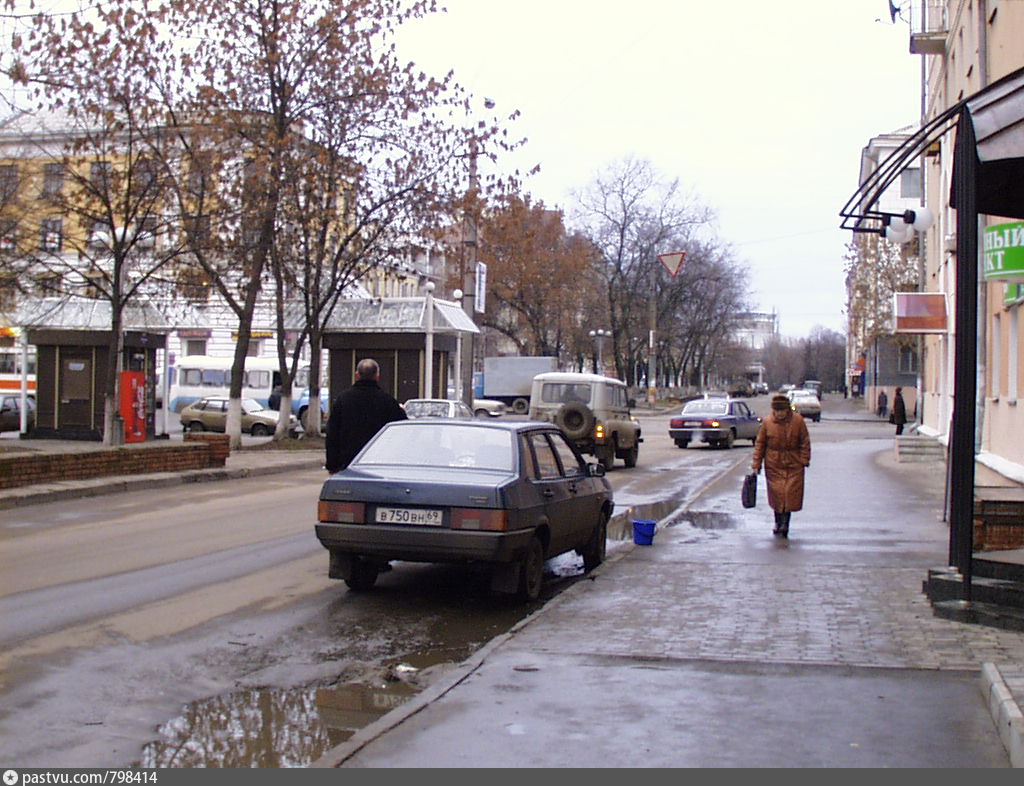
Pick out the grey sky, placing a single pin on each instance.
(760, 106)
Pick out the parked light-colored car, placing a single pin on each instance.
(488, 408)
(436, 408)
(211, 414)
(592, 410)
(805, 402)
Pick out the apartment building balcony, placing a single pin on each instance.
(928, 27)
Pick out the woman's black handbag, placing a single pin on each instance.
(749, 492)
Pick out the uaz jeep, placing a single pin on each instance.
(592, 410)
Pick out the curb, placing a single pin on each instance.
(96, 487)
(1006, 713)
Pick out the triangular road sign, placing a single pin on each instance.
(673, 262)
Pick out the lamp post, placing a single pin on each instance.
(459, 393)
(428, 349)
(599, 335)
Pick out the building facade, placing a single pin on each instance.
(967, 45)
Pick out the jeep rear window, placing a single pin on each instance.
(565, 392)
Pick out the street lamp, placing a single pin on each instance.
(428, 349)
(599, 336)
(459, 393)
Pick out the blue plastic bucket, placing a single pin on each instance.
(643, 531)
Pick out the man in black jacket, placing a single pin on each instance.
(357, 414)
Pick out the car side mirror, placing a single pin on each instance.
(595, 470)
(631, 403)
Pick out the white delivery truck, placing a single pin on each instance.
(510, 379)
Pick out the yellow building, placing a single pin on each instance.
(967, 45)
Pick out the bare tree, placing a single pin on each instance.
(541, 279)
(631, 215)
(105, 223)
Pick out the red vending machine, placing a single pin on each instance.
(133, 405)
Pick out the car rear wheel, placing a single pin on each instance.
(362, 576)
(520, 406)
(195, 425)
(481, 413)
(597, 547)
(258, 430)
(682, 443)
(531, 570)
(632, 455)
(606, 456)
(730, 439)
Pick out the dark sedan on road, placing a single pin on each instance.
(510, 495)
(718, 422)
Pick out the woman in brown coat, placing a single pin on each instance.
(784, 446)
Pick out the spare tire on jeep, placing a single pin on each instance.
(575, 419)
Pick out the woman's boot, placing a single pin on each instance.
(784, 525)
(778, 524)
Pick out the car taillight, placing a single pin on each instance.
(486, 519)
(599, 431)
(713, 423)
(342, 512)
(676, 423)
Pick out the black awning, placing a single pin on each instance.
(997, 116)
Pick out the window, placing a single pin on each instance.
(1013, 356)
(996, 356)
(8, 181)
(258, 379)
(147, 231)
(195, 346)
(199, 175)
(254, 348)
(50, 234)
(198, 229)
(98, 237)
(53, 180)
(546, 461)
(99, 174)
(908, 360)
(570, 463)
(8, 235)
(910, 183)
(48, 284)
(145, 177)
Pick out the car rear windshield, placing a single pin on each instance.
(706, 407)
(565, 392)
(440, 445)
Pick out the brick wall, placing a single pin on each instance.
(194, 453)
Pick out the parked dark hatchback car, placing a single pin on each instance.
(10, 412)
(718, 422)
(510, 495)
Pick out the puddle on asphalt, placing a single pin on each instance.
(271, 727)
(702, 520)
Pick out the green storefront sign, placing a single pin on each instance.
(1012, 294)
(1004, 252)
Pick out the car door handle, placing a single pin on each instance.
(572, 488)
(548, 493)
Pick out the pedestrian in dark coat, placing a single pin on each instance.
(357, 415)
(899, 411)
(883, 404)
(784, 447)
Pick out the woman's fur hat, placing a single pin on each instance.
(780, 401)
